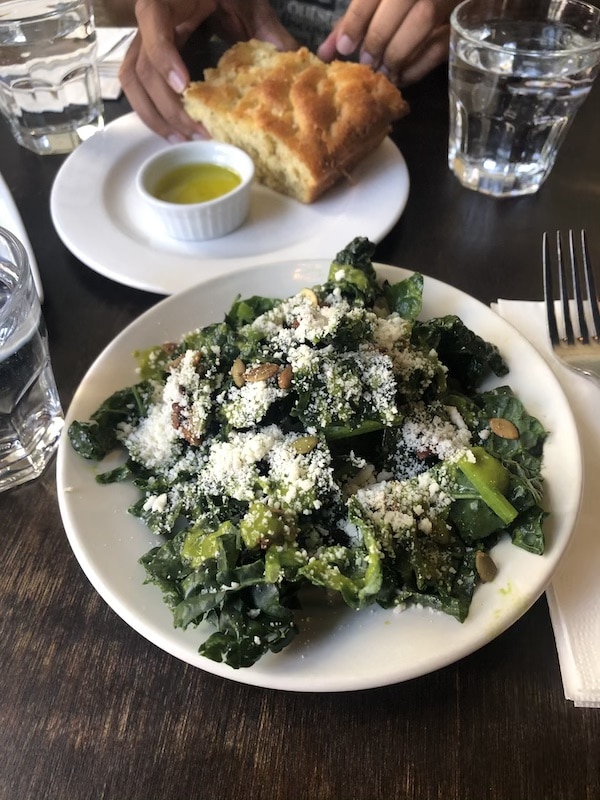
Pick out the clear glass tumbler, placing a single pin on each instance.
(31, 416)
(518, 72)
(49, 84)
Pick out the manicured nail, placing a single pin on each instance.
(175, 138)
(345, 46)
(176, 82)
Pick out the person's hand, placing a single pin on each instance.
(153, 74)
(240, 20)
(405, 39)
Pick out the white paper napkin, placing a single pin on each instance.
(109, 60)
(574, 595)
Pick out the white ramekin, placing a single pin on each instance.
(197, 221)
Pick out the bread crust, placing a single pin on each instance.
(305, 123)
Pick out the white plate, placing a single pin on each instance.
(11, 220)
(338, 649)
(99, 217)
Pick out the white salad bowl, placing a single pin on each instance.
(209, 219)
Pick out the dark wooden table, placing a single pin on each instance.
(89, 709)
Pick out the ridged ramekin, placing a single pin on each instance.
(196, 221)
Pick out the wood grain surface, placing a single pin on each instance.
(91, 710)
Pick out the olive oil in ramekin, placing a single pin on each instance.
(196, 183)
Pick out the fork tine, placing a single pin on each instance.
(581, 353)
(583, 328)
(564, 291)
(590, 285)
(549, 291)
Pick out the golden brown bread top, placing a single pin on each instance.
(319, 111)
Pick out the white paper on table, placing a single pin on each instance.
(574, 594)
(109, 61)
(11, 220)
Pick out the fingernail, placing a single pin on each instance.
(175, 138)
(367, 59)
(200, 137)
(345, 46)
(176, 82)
(384, 70)
(323, 52)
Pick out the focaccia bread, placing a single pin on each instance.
(304, 123)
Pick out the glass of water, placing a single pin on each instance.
(31, 417)
(49, 85)
(518, 72)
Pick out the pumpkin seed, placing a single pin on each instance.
(305, 444)
(261, 373)
(504, 428)
(237, 372)
(284, 379)
(485, 566)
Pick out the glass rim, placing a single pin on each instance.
(594, 12)
(12, 11)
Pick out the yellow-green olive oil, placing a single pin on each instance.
(196, 183)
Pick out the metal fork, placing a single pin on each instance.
(575, 342)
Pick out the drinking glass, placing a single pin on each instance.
(49, 85)
(31, 417)
(518, 72)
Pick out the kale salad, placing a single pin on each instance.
(331, 441)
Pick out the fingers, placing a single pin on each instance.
(434, 53)
(424, 30)
(367, 27)
(328, 49)
(150, 96)
(239, 20)
(389, 34)
(153, 74)
(268, 28)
